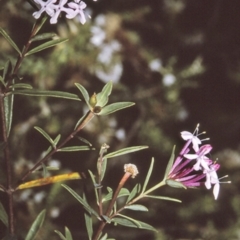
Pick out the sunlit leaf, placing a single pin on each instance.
(68, 234)
(84, 93)
(36, 226)
(125, 151)
(45, 135)
(46, 45)
(137, 207)
(3, 215)
(43, 36)
(60, 235)
(44, 93)
(130, 222)
(148, 176)
(81, 200)
(88, 222)
(115, 107)
(75, 149)
(49, 180)
(170, 164)
(163, 198)
(134, 192)
(102, 97)
(56, 140)
(104, 237)
(10, 41)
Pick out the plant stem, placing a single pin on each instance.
(86, 120)
(8, 166)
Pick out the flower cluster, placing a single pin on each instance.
(192, 169)
(54, 8)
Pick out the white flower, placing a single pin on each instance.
(77, 10)
(195, 140)
(58, 9)
(212, 179)
(47, 7)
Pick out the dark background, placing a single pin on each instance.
(195, 46)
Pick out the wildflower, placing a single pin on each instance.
(212, 179)
(132, 169)
(202, 160)
(193, 137)
(58, 9)
(77, 10)
(47, 7)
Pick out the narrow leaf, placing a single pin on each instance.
(130, 222)
(102, 97)
(163, 198)
(68, 234)
(7, 71)
(75, 149)
(115, 107)
(36, 226)
(43, 36)
(84, 140)
(49, 180)
(39, 23)
(60, 235)
(81, 200)
(46, 45)
(125, 151)
(21, 85)
(148, 176)
(45, 135)
(88, 222)
(104, 237)
(56, 140)
(94, 183)
(134, 192)
(84, 93)
(43, 93)
(170, 164)
(137, 207)
(175, 184)
(10, 41)
(123, 192)
(3, 215)
(8, 107)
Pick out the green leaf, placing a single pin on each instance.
(44, 170)
(36, 226)
(137, 207)
(46, 45)
(115, 107)
(3, 215)
(21, 85)
(80, 121)
(43, 93)
(175, 184)
(130, 222)
(102, 97)
(56, 140)
(45, 135)
(8, 108)
(68, 234)
(81, 200)
(148, 176)
(75, 149)
(84, 93)
(7, 71)
(123, 192)
(125, 151)
(94, 183)
(134, 192)
(10, 41)
(88, 222)
(170, 164)
(104, 237)
(84, 140)
(163, 198)
(43, 36)
(103, 168)
(39, 23)
(60, 235)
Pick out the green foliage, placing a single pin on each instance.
(3, 215)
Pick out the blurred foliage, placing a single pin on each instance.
(178, 60)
